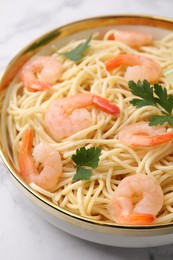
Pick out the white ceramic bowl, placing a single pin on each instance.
(107, 234)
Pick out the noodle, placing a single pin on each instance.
(22, 108)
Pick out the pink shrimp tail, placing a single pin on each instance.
(39, 85)
(140, 219)
(123, 59)
(111, 37)
(105, 105)
(136, 140)
(27, 142)
(26, 162)
(161, 138)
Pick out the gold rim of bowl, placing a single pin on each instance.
(10, 72)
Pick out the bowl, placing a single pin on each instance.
(91, 230)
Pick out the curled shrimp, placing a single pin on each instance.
(139, 67)
(136, 200)
(131, 38)
(49, 69)
(68, 115)
(141, 134)
(48, 177)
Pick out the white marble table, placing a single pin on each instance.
(23, 234)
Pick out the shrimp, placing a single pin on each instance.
(139, 67)
(132, 39)
(136, 200)
(44, 153)
(50, 70)
(141, 134)
(68, 115)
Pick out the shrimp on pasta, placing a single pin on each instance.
(49, 69)
(131, 38)
(68, 115)
(136, 200)
(82, 101)
(141, 134)
(139, 67)
(48, 177)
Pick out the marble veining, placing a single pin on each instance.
(24, 234)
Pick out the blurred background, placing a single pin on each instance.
(23, 21)
(23, 234)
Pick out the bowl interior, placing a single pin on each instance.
(158, 27)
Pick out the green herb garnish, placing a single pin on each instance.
(153, 96)
(77, 53)
(85, 158)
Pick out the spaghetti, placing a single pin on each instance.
(23, 108)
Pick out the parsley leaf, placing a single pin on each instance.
(153, 96)
(144, 91)
(164, 100)
(85, 157)
(160, 120)
(82, 174)
(77, 53)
